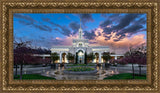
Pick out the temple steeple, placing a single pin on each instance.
(80, 31)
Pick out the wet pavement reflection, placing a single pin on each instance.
(57, 73)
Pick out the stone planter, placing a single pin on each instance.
(79, 66)
(80, 72)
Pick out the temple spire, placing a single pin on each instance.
(80, 31)
(80, 22)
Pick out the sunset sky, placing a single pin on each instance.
(118, 31)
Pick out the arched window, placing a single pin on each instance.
(80, 44)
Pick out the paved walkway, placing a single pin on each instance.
(128, 69)
(102, 72)
(33, 70)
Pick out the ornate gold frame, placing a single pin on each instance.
(73, 6)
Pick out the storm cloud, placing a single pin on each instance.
(100, 29)
(62, 29)
(27, 20)
(86, 18)
(126, 25)
(25, 17)
(74, 26)
(105, 23)
(43, 27)
(125, 21)
(89, 35)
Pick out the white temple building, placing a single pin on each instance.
(79, 47)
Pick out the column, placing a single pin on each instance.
(66, 57)
(102, 60)
(94, 58)
(66, 61)
(99, 57)
(115, 57)
(60, 55)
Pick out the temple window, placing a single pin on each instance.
(80, 44)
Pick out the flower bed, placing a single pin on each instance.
(81, 65)
(75, 69)
(80, 70)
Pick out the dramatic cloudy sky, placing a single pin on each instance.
(118, 31)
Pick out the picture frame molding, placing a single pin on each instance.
(9, 84)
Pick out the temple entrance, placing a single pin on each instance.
(80, 57)
(97, 58)
(64, 59)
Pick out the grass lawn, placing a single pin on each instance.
(33, 76)
(125, 76)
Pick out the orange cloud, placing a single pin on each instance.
(68, 39)
(58, 38)
(119, 47)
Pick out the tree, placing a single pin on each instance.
(90, 56)
(130, 57)
(135, 56)
(113, 61)
(70, 57)
(142, 58)
(22, 55)
(76, 57)
(47, 60)
(122, 61)
(54, 57)
(141, 62)
(85, 54)
(106, 56)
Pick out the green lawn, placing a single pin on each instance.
(33, 76)
(125, 76)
